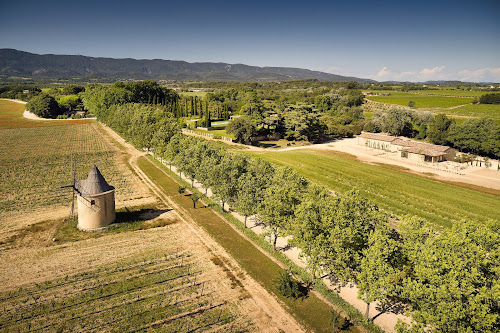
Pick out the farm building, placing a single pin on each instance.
(406, 148)
(96, 201)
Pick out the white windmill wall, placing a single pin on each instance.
(97, 215)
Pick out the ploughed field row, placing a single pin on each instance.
(396, 192)
(173, 292)
(35, 162)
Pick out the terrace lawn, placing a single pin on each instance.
(394, 191)
(421, 101)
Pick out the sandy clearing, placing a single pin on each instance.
(32, 116)
(14, 100)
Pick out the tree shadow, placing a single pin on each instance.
(266, 145)
(390, 305)
(257, 223)
(143, 214)
(286, 247)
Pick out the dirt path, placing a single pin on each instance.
(271, 317)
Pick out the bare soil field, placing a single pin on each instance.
(161, 278)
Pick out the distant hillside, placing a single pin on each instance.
(24, 64)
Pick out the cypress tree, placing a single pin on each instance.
(207, 116)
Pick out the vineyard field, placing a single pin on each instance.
(157, 279)
(396, 192)
(422, 101)
(476, 110)
(36, 161)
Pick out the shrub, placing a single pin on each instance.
(44, 106)
(490, 99)
(371, 126)
(288, 286)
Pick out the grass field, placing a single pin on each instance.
(11, 116)
(193, 93)
(396, 192)
(311, 311)
(421, 101)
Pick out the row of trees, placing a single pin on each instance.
(98, 98)
(490, 99)
(478, 136)
(447, 280)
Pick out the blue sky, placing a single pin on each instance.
(382, 40)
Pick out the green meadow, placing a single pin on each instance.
(421, 100)
(394, 191)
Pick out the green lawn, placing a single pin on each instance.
(312, 312)
(421, 101)
(193, 93)
(394, 191)
(216, 133)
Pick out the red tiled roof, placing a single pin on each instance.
(377, 136)
(410, 145)
(420, 146)
(424, 151)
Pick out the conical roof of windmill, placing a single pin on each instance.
(94, 184)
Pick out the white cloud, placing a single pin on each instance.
(480, 75)
(438, 73)
(387, 74)
(432, 73)
(426, 74)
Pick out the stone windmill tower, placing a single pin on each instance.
(96, 201)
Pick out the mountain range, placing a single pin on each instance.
(14, 63)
